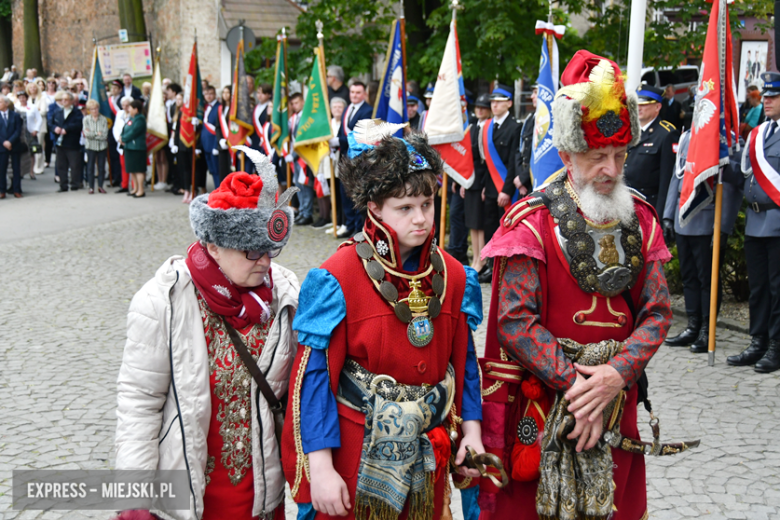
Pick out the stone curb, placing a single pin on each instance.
(725, 323)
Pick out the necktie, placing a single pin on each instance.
(495, 126)
(772, 128)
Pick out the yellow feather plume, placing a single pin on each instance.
(601, 94)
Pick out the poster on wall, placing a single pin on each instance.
(752, 62)
(131, 58)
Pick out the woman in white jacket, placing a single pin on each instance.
(186, 400)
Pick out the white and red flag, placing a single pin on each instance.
(446, 123)
(715, 116)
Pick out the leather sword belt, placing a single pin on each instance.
(655, 448)
(758, 207)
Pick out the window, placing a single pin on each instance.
(649, 77)
(687, 75)
(665, 77)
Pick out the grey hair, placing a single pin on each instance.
(338, 99)
(129, 99)
(68, 94)
(337, 72)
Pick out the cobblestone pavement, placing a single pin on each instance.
(62, 324)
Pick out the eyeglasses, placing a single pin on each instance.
(254, 256)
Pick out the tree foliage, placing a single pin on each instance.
(497, 37)
(670, 39)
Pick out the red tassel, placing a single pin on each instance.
(525, 461)
(532, 388)
(442, 449)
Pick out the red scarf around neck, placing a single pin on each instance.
(240, 306)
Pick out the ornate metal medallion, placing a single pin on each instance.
(434, 307)
(604, 273)
(420, 331)
(527, 431)
(375, 270)
(364, 250)
(403, 313)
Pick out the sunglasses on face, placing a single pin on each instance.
(254, 256)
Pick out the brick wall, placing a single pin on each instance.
(68, 26)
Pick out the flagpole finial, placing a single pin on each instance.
(319, 25)
(284, 32)
(401, 2)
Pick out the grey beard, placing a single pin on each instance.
(618, 205)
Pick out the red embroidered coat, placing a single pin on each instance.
(373, 336)
(535, 300)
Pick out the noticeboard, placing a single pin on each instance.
(132, 58)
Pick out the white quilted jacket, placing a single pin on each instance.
(164, 400)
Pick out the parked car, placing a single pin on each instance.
(682, 77)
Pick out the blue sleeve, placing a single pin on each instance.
(471, 305)
(320, 428)
(321, 306)
(471, 407)
(306, 511)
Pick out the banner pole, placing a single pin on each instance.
(332, 180)
(153, 154)
(715, 271)
(243, 161)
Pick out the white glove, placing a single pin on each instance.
(197, 152)
(223, 144)
(334, 143)
(174, 149)
(334, 154)
(214, 152)
(195, 121)
(288, 158)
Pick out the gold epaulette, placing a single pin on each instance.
(521, 210)
(669, 127)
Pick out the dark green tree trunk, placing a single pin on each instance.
(137, 7)
(122, 4)
(6, 46)
(32, 38)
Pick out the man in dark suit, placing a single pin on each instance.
(68, 124)
(672, 109)
(499, 192)
(10, 139)
(208, 136)
(128, 89)
(357, 110)
(649, 165)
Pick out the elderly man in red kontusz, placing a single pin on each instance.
(579, 306)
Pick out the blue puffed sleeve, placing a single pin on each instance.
(320, 429)
(471, 305)
(471, 406)
(321, 306)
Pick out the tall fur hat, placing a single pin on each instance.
(245, 212)
(373, 170)
(593, 109)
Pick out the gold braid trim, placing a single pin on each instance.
(463, 484)
(302, 461)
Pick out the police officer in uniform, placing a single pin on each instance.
(694, 247)
(762, 241)
(650, 164)
(506, 142)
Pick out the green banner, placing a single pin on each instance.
(314, 130)
(280, 133)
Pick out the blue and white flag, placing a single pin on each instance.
(545, 161)
(390, 104)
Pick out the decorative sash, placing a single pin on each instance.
(112, 105)
(768, 178)
(211, 128)
(265, 139)
(397, 462)
(256, 120)
(495, 166)
(223, 124)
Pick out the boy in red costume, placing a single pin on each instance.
(386, 380)
(579, 306)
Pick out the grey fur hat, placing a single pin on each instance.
(235, 226)
(594, 84)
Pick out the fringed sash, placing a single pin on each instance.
(578, 486)
(397, 461)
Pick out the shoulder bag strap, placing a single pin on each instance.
(257, 374)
